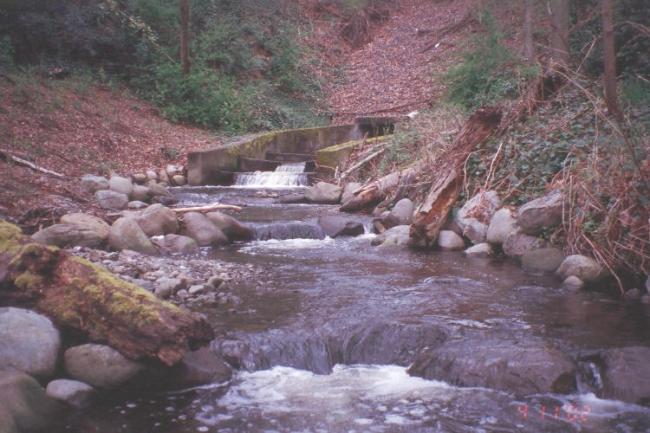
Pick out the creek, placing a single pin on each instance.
(323, 342)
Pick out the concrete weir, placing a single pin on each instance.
(216, 166)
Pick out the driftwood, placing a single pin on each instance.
(431, 215)
(361, 163)
(31, 165)
(208, 208)
(447, 182)
(85, 299)
(374, 192)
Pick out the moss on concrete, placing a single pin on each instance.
(333, 156)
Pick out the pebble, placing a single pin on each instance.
(197, 276)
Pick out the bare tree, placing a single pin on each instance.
(609, 58)
(558, 11)
(185, 36)
(529, 28)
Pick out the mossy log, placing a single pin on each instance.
(80, 296)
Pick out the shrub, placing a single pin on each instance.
(203, 97)
(487, 73)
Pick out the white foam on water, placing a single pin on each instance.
(360, 395)
(285, 245)
(285, 175)
(270, 179)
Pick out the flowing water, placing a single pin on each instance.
(285, 175)
(324, 341)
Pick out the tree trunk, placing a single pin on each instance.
(185, 36)
(611, 95)
(559, 14)
(431, 215)
(529, 29)
(88, 300)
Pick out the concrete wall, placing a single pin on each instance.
(211, 167)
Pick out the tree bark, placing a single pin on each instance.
(185, 36)
(86, 299)
(374, 192)
(609, 80)
(447, 182)
(529, 29)
(559, 14)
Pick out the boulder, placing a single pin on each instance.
(573, 283)
(201, 367)
(473, 218)
(176, 244)
(173, 170)
(137, 205)
(157, 220)
(348, 191)
(626, 374)
(231, 227)
(544, 259)
(151, 175)
(141, 193)
(69, 235)
(479, 250)
(28, 342)
(126, 234)
(324, 193)
(94, 223)
(384, 222)
(201, 229)
(72, 392)
(450, 241)
(585, 268)
(503, 223)
(403, 211)
(120, 184)
(166, 287)
(92, 184)
(163, 177)
(335, 226)
(140, 178)
(179, 180)
(395, 236)
(520, 367)
(157, 188)
(517, 244)
(99, 365)
(111, 200)
(541, 213)
(24, 406)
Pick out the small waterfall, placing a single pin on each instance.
(285, 175)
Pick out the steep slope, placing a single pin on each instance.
(396, 72)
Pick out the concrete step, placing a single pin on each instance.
(289, 157)
(251, 164)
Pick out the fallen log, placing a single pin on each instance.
(86, 299)
(447, 182)
(432, 214)
(374, 192)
